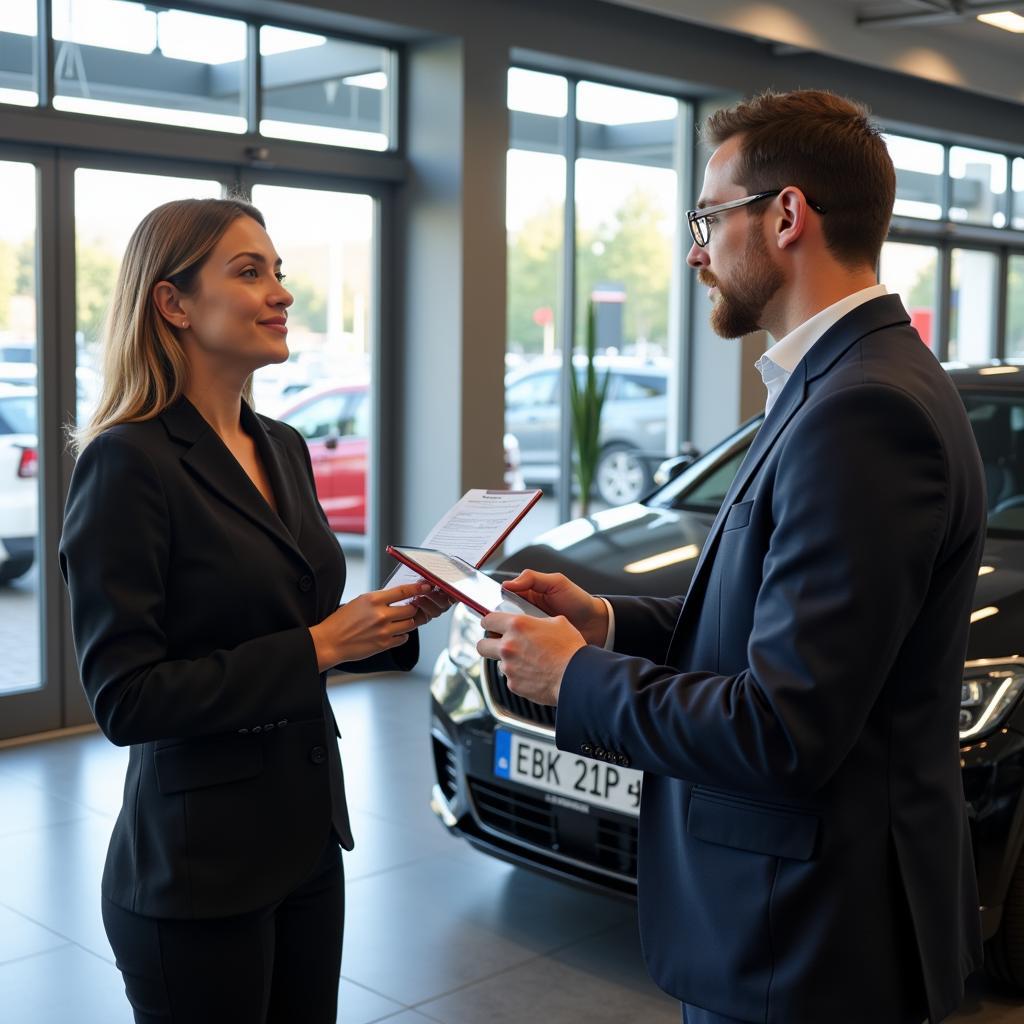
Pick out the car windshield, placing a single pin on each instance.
(996, 417)
(18, 415)
(702, 486)
(998, 422)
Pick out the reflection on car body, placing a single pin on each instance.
(586, 835)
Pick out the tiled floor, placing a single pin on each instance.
(435, 932)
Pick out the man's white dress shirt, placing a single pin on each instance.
(776, 366)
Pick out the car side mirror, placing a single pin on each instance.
(331, 440)
(671, 468)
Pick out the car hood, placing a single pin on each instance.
(613, 552)
(636, 549)
(999, 600)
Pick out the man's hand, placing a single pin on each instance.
(533, 653)
(558, 595)
(431, 605)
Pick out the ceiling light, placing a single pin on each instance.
(1005, 20)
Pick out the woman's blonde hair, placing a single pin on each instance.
(144, 366)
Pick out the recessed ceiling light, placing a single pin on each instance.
(1004, 19)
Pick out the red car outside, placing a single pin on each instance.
(336, 425)
(335, 421)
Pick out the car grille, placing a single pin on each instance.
(445, 766)
(534, 821)
(512, 704)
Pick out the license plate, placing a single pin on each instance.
(541, 765)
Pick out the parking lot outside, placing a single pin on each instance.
(20, 661)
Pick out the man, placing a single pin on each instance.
(804, 850)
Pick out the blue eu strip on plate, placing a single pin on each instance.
(502, 753)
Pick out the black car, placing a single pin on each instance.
(502, 785)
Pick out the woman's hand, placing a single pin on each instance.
(431, 605)
(369, 624)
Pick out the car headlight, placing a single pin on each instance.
(463, 635)
(990, 689)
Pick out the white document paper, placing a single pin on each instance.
(472, 528)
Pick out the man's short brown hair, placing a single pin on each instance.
(827, 147)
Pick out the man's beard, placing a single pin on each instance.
(741, 310)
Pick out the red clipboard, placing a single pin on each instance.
(464, 582)
(511, 526)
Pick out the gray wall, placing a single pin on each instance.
(451, 280)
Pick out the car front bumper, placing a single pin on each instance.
(585, 846)
(598, 850)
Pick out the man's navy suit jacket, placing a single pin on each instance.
(191, 602)
(804, 849)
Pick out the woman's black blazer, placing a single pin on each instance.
(191, 602)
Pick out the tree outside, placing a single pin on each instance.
(632, 245)
(96, 270)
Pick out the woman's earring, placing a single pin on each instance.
(184, 323)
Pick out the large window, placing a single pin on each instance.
(535, 224)
(108, 206)
(953, 254)
(919, 177)
(324, 90)
(150, 62)
(1015, 307)
(18, 52)
(20, 590)
(974, 305)
(979, 186)
(624, 223)
(912, 271)
(1017, 180)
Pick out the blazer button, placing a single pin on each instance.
(282, 723)
(305, 583)
(599, 752)
(318, 755)
(268, 727)
(623, 760)
(586, 748)
(257, 728)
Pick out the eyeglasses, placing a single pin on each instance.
(700, 221)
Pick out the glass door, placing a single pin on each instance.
(103, 203)
(328, 245)
(21, 591)
(108, 206)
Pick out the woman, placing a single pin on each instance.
(205, 585)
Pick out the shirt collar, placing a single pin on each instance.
(788, 351)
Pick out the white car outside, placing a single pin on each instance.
(19, 497)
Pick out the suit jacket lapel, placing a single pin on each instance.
(786, 405)
(877, 314)
(279, 467)
(207, 458)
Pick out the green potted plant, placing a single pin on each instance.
(587, 402)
